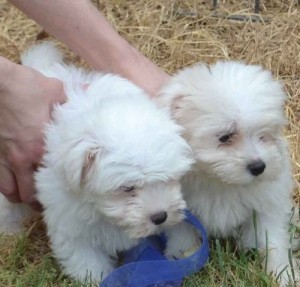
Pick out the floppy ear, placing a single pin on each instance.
(88, 163)
(175, 105)
(80, 162)
(171, 97)
(169, 101)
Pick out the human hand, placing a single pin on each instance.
(26, 101)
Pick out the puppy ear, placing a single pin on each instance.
(80, 162)
(171, 97)
(176, 104)
(172, 103)
(88, 163)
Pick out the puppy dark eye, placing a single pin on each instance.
(267, 138)
(226, 138)
(127, 188)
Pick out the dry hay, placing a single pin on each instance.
(175, 34)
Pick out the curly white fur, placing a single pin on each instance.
(233, 119)
(111, 170)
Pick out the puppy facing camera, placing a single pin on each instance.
(112, 167)
(233, 116)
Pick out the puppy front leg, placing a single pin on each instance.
(182, 240)
(80, 260)
(270, 236)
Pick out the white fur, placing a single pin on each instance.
(244, 102)
(12, 216)
(109, 136)
(42, 56)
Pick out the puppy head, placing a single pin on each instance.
(233, 115)
(127, 159)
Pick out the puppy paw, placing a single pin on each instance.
(105, 271)
(288, 278)
(12, 217)
(174, 253)
(10, 228)
(180, 253)
(88, 269)
(182, 242)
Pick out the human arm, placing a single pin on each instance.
(87, 32)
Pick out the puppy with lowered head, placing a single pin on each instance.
(111, 171)
(233, 117)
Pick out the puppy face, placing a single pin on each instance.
(143, 208)
(237, 151)
(233, 115)
(127, 160)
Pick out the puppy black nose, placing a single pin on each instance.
(256, 167)
(159, 218)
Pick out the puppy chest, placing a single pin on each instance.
(221, 215)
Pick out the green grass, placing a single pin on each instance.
(26, 261)
(229, 267)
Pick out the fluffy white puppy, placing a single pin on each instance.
(111, 171)
(233, 119)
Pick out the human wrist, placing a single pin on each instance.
(143, 72)
(124, 60)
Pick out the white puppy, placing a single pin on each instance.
(111, 170)
(233, 119)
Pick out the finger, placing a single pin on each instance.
(57, 97)
(25, 183)
(27, 190)
(8, 185)
(36, 206)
